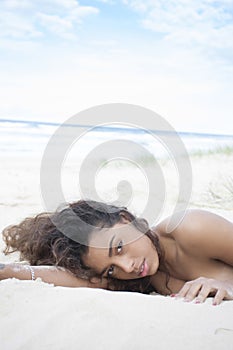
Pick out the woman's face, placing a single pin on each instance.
(122, 252)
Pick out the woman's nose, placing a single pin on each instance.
(126, 264)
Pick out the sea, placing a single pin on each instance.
(32, 138)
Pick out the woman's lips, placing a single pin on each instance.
(144, 269)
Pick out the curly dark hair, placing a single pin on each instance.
(41, 239)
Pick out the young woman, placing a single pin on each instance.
(107, 247)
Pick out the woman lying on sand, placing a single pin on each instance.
(195, 260)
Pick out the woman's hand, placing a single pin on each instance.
(201, 287)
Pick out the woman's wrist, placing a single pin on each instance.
(14, 270)
(5, 271)
(2, 268)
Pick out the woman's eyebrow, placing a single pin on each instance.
(110, 246)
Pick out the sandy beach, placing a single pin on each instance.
(126, 102)
(212, 184)
(36, 315)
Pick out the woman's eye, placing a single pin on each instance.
(110, 271)
(119, 247)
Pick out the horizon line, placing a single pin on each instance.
(109, 128)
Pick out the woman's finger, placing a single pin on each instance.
(219, 296)
(202, 287)
(193, 291)
(182, 292)
(203, 294)
(189, 290)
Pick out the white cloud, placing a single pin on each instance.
(14, 26)
(15, 4)
(111, 2)
(202, 22)
(82, 11)
(55, 24)
(65, 3)
(25, 19)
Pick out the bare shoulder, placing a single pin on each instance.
(196, 221)
(202, 230)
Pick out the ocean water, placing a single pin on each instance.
(32, 137)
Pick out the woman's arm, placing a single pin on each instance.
(208, 236)
(50, 274)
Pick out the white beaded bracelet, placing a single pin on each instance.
(32, 272)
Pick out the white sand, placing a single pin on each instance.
(35, 315)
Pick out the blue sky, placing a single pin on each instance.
(59, 57)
